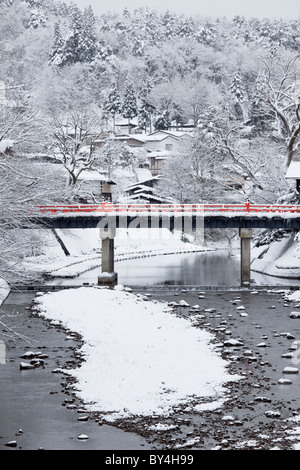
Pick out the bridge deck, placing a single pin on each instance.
(169, 215)
(171, 209)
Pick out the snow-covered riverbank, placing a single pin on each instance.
(4, 290)
(84, 246)
(278, 258)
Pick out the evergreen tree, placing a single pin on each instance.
(162, 121)
(260, 112)
(37, 19)
(113, 104)
(88, 47)
(177, 114)
(129, 107)
(56, 56)
(236, 88)
(72, 50)
(237, 91)
(146, 111)
(126, 13)
(169, 22)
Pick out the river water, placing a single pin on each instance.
(37, 402)
(216, 268)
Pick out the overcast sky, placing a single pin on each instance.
(213, 8)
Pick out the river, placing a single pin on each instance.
(215, 268)
(37, 401)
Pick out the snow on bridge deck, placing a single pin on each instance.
(269, 210)
(244, 215)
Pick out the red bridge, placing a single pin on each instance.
(108, 217)
(205, 209)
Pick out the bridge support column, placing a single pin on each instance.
(246, 236)
(107, 277)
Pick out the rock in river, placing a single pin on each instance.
(26, 366)
(290, 370)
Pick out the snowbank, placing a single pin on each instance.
(84, 246)
(294, 296)
(4, 290)
(279, 258)
(6, 144)
(141, 359)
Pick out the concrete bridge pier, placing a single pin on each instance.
(108, 277)
(245, 236)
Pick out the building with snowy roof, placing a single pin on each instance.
(293, 172)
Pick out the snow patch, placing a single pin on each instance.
(4, 290)
(140, 358)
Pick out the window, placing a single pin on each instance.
(169, 146)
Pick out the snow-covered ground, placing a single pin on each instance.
(4, 290)
(84, 246)
(279, 258)
(140, 358)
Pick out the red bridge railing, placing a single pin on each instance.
(205, 209)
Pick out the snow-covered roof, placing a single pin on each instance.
(156, 137)
(147, 196)
(143, 174)
(125, 137)
(161, 154)
(94, 176)
(293, 170)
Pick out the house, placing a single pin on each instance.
(162, 145)
(293, 172)
(95, 186)
(144, 189)
(131, 140)
(128, 127)
(162, 141)
(157, 161)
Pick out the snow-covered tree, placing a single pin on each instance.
(146, 108)
(20, 127)
(24, 185)
(146, 111)
(282, 96)
(129, 105)
(115, 155)
(237, 90)
(73, 43)
(113, 104)
(37, 19)
(73, 140)
(89, 43)
(191, 176)
(162, 120)
(57, 52)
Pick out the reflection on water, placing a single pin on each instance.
(215, 268)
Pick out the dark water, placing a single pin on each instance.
(34, 401)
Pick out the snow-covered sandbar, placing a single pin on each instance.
(140, 358)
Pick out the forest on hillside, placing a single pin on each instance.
(236, 83)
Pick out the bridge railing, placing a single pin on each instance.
(204, 209)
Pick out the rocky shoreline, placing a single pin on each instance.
(256, 412)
